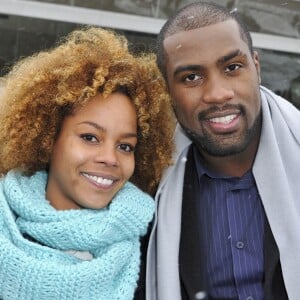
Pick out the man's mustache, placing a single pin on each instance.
(203, 114)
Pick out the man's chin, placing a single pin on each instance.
(218, 148)
(221, 151)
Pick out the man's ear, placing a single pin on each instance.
(256, 61)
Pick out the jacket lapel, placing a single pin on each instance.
(192, 280)
(274, 288)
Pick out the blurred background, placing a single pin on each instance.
(30, 26)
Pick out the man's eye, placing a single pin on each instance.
(192, 77)
(89, 138)
(126, 148)
(232, 68)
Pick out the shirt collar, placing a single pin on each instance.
(244, 182)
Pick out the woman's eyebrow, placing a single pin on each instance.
(98, 127)
(93, 124)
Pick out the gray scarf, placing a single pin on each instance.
(276, 170)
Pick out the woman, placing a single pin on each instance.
(77, 123)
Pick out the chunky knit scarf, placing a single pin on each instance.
(44, 269)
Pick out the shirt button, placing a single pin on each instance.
(200, 295)
(240, 245)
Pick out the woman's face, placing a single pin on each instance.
(93, 156)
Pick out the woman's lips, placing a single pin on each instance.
(100, 180)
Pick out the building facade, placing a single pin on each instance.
(30, 26)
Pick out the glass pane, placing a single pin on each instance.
(137, 7)
(281, 73)
(22, 36)
(266, 16)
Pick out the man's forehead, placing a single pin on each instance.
(213, 31)
(176, 39)
(182, 32)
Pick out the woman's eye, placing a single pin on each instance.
(89, 138)
(126, 148)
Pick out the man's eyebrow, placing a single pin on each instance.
(195, 68)
(220, 61)
(230, 56)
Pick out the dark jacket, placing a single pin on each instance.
(192, 280)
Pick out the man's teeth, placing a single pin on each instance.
(99, 180)
(223, 120)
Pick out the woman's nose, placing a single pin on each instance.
(107, 154)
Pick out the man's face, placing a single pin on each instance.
(213, 79)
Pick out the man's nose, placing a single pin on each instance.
(217, 91)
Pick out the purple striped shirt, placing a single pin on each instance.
(232, 232)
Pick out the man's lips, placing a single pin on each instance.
(223, 120)
(215, 112)
(223, 124)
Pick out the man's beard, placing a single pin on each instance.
(213, 147)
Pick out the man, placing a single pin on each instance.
(228, 210)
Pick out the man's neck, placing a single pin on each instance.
(233, 165)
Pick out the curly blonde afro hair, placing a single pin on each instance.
(41, 90)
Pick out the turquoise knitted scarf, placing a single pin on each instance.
(44, 269)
